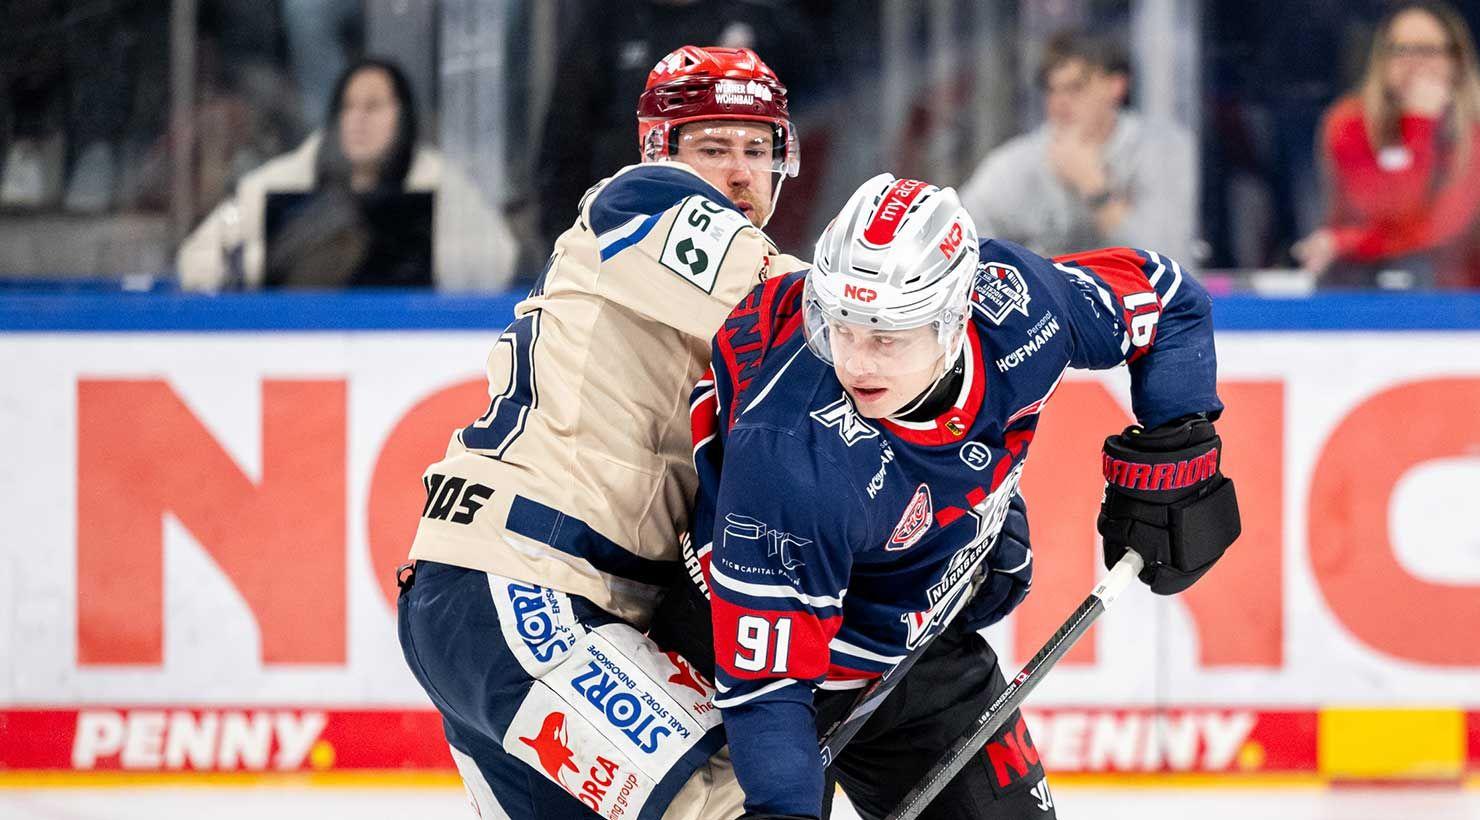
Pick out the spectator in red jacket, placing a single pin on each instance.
(1402, 153)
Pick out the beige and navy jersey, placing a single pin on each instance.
(579, 475)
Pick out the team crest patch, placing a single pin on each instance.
(914, 523)
(998, 291)
(840, 414)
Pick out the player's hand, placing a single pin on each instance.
(1009, 572)
(1167, 498)
(682, 620)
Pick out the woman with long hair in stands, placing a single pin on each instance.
(370, 132)
(367, 149)
(1402, 158)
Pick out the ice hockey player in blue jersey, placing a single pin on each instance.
(859, 446)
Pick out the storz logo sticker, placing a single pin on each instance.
(605, 724)
(623, 695)
(976, 455)
(699, 239)
(999, 290)
(840, 414)
(914, 523)
(624, 710)
(538, 614)
(538, 624)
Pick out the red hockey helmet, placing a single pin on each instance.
(711, 83)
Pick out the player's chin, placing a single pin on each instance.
(755, 213)
(873, 403)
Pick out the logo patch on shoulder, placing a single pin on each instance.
(698, 240)
(914, 523)
(999, 290)
(840, 414)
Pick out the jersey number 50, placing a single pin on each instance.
(754, 638)
(496, 430)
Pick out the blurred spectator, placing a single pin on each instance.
(84, 100)
(364, 158)
(246, 110)
(65, 95)
(607, 49)
(1268, 85)
(1403, 155)
(33, 96)
(1094, 174)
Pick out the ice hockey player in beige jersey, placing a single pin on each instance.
(585, 446)
(551, 526)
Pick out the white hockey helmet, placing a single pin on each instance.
(902, 254)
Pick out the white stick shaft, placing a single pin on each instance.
(1119, 577)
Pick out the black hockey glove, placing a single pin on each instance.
(1009, 571)
(775, 817)
(1166, 499)
(682, 621)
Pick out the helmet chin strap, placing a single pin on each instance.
(938, 396)
(775, 197)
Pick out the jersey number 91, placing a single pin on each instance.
(762, 643)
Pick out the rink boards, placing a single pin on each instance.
(205, 499)
(1387, 744)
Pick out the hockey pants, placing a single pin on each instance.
(555, 709)
(956, 680)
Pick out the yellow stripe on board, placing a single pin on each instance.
(1391, 743)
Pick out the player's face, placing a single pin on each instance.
(884, 370)
(368, 117)
(734, 157)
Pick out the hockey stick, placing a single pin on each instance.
(838, 735)
(835, 738)
(1018, 689)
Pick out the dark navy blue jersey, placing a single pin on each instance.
(832, 544)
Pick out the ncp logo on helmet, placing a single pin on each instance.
(723, 112)
(889, 294)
